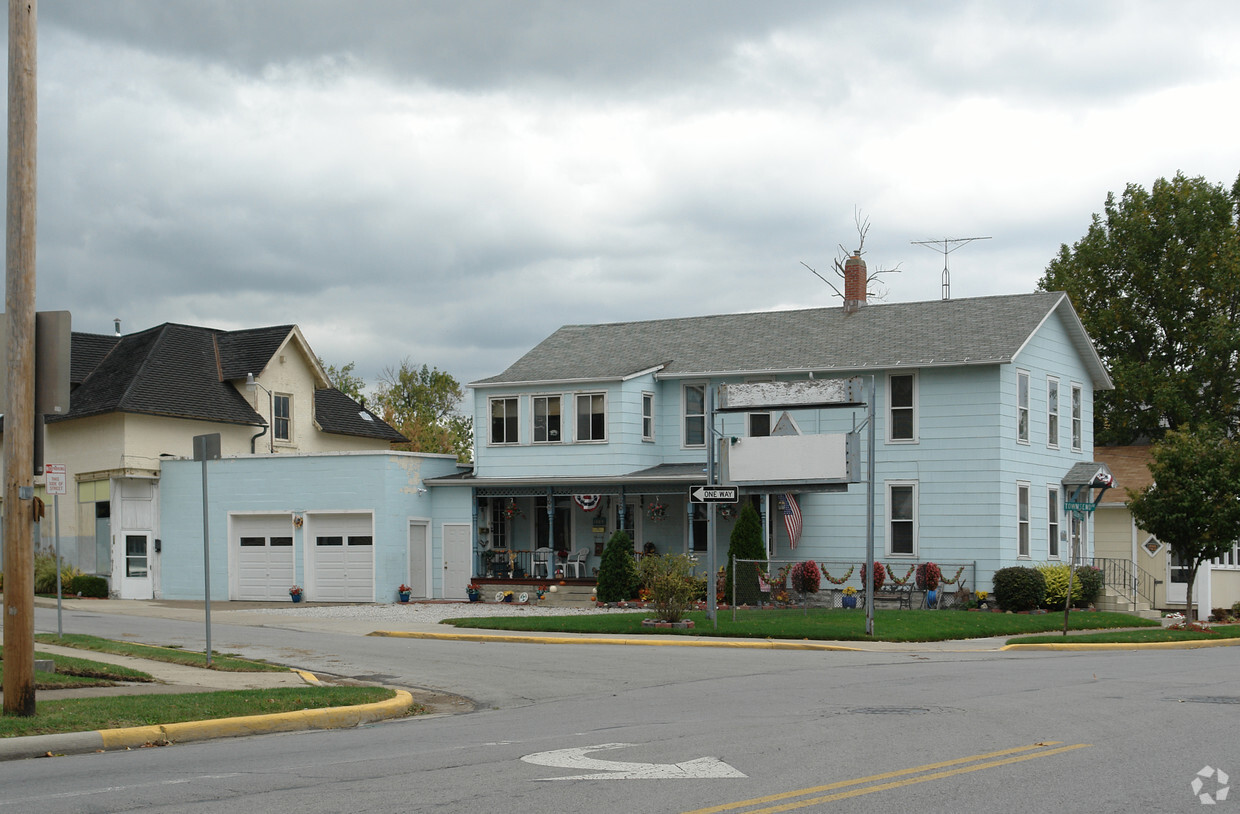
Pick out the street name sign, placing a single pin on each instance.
(713, 494)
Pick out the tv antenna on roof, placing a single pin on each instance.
(950, 244)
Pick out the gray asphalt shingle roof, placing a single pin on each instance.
(982, 330)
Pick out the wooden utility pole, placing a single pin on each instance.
(19, 305)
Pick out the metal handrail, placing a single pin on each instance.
(1126, 577)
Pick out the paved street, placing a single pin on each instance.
(658, 729)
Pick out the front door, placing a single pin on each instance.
(136, 569)
(1177, 580)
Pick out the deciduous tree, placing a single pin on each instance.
(1156, 281)
(422, 403)
(1193, 503)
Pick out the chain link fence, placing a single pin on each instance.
(835, 584)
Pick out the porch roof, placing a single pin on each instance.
(669, 477)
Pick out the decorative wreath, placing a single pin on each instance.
(298, 520)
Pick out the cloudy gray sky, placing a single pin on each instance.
(449, 182)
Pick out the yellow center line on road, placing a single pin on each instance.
(1007, 756)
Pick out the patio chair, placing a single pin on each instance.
(577, 562)
(542, 562)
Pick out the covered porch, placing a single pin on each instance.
(533, 531)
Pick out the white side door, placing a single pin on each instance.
(1177, 581)
(419, 559)
(456, 559)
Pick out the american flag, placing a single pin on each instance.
(792, 517)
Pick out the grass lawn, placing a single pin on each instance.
(821, 624)
(228, 664)
(1135, 636)
(74, 672)
(88, 714)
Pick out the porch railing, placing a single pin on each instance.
(1123, 576)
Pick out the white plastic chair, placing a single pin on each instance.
(577, 562)
(542, 560)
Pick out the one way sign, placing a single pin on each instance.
(713, 494)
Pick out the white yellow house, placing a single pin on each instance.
(140, 398)
(1160, 578)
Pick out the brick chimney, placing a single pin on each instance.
(854, 283)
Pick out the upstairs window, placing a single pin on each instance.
(282, 417)
(546, 419)
(1022, 406)
(1052, 412)
(591, 417)
(695, 415)
(647, 416)
(901, 407)
(1076, 417)
(504, 421)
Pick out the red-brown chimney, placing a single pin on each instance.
(854, 283)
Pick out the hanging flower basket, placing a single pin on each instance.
(656, 511)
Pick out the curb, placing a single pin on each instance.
(77, 743)
(764, 644)
(1192, 644)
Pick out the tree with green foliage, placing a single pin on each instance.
(342, 379)
(669, 580)
(1157, 284)
(617, 572)
(745, 544)
(1193, 503)
(422, 404)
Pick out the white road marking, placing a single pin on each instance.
(703, 767)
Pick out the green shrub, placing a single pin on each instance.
(745, 543)
(617, 573)
(668, 579)
(1019, 588)
(1090, 580)
(45, 573)
(1055, 579)
(88, 585)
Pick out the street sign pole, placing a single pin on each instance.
(206, 448)
(54, 476)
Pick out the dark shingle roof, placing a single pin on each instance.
(983, 330)
(168, 370)
(337, 413)
(249, 351)
(183, 371)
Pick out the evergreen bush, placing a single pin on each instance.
(1019, 588)
(617, 573)
(88, 585)
(1090, 580)
(745, 543)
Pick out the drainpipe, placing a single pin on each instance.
(257, 436)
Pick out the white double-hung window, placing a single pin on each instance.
(694, 400)
(591, 417)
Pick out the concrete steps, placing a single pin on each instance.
(1110, 601)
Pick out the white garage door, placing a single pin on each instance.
(264, 551)
(344, 559)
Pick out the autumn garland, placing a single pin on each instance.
(945, 581)
(897, 580)
(832, 579)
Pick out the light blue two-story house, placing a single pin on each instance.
(982, 407)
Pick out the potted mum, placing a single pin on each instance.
(928, 578)
(849, 600)
(404, 591)
(295, 593)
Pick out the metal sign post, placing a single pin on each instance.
(54, 482)
(206, 448)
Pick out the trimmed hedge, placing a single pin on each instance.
(617, 573)
(1019, 588)
(88, 585)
